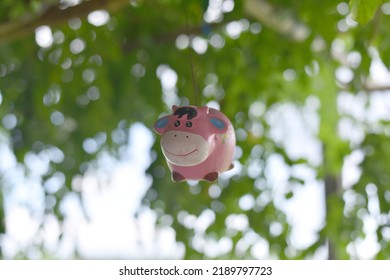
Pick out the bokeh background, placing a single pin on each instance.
(305, 83)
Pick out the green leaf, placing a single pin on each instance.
(363, 11)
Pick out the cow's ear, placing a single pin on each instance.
(219, 124)
(204, 109)
(161, 124)
(174, 108)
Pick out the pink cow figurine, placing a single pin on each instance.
(197, 142)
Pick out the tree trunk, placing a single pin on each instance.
(2, 219)
(332, 188)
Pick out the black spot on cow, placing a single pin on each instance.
(190, 112)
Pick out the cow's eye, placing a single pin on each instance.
(188, 124)
(177, 123)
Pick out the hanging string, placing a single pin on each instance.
(194, 85)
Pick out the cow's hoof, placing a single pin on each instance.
(211, 177)
(177, 177)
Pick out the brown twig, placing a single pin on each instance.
(52, 15)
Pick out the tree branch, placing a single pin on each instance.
(367, 86)
(275, 20)
(370, 87)
(52, 15)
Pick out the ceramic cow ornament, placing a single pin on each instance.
(197, 142)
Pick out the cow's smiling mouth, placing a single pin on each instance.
(179, 155)
(183, 151)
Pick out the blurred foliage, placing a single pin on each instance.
(90, 82)
(363, 10)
